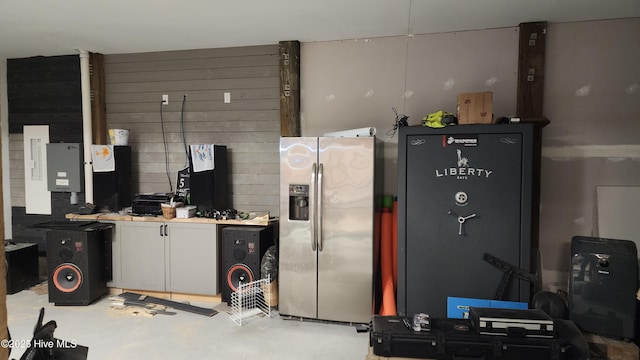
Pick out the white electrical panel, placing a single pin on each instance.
(36, 193)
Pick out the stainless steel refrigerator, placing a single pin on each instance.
(330, 189)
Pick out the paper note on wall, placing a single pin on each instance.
(202, 157)
(103, 158)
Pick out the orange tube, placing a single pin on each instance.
(388, 293)
(376, 262)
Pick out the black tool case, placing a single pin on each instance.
(454, 339)
(512, 322)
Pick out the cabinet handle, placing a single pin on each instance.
(165, 230)
(161, 231)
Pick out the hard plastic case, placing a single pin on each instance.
(454, 339)
(512, 322)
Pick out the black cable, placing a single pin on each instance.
(184, 142)
(166, 150)
(401, 120)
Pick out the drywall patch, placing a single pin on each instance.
(491, 81)
(448, 85)
(369, 94)
(330, 97)
(583, 91)
(407, 94)
(632, 89)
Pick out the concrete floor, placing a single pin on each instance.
(117, 334)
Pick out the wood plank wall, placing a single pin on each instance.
(249, 125)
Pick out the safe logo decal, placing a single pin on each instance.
(468, 140)
(463, 170)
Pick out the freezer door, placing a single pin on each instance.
(297, 257)
(345, 217)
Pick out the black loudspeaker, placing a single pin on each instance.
(22, 266)
(603, 285)
(209, 188)
(242, 251)
(112, 189)
(78, 263)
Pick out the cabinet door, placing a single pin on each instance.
(192, 259)
(142, 257)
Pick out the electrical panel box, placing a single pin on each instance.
(64, 167)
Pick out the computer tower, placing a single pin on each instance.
(78, 262)
(112, 189)
(209, 188)
(603, 285)
(242, 250)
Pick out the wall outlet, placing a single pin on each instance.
(227, 97)
(165, 99)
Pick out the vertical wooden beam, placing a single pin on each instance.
(289, 88)
(529, 108)
(531, 69)
(98, 104)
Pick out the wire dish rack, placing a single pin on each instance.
(251, 299)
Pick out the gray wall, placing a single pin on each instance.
(592, 97)
(356, 83)
(249, 125)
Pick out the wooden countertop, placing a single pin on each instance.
(257, 218)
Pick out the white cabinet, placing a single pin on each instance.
(142, 257)
(191, 258)
(166, 256)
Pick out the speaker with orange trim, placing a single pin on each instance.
(242, 251)
(78, 262)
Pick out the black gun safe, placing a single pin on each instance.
(603, 286)
(463, 191)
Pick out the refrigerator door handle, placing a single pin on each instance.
(312, 207)
(320, 210)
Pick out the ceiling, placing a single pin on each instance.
(61, 27)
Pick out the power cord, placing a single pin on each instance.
(401, 120)
(184, 142)
(166, 150)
